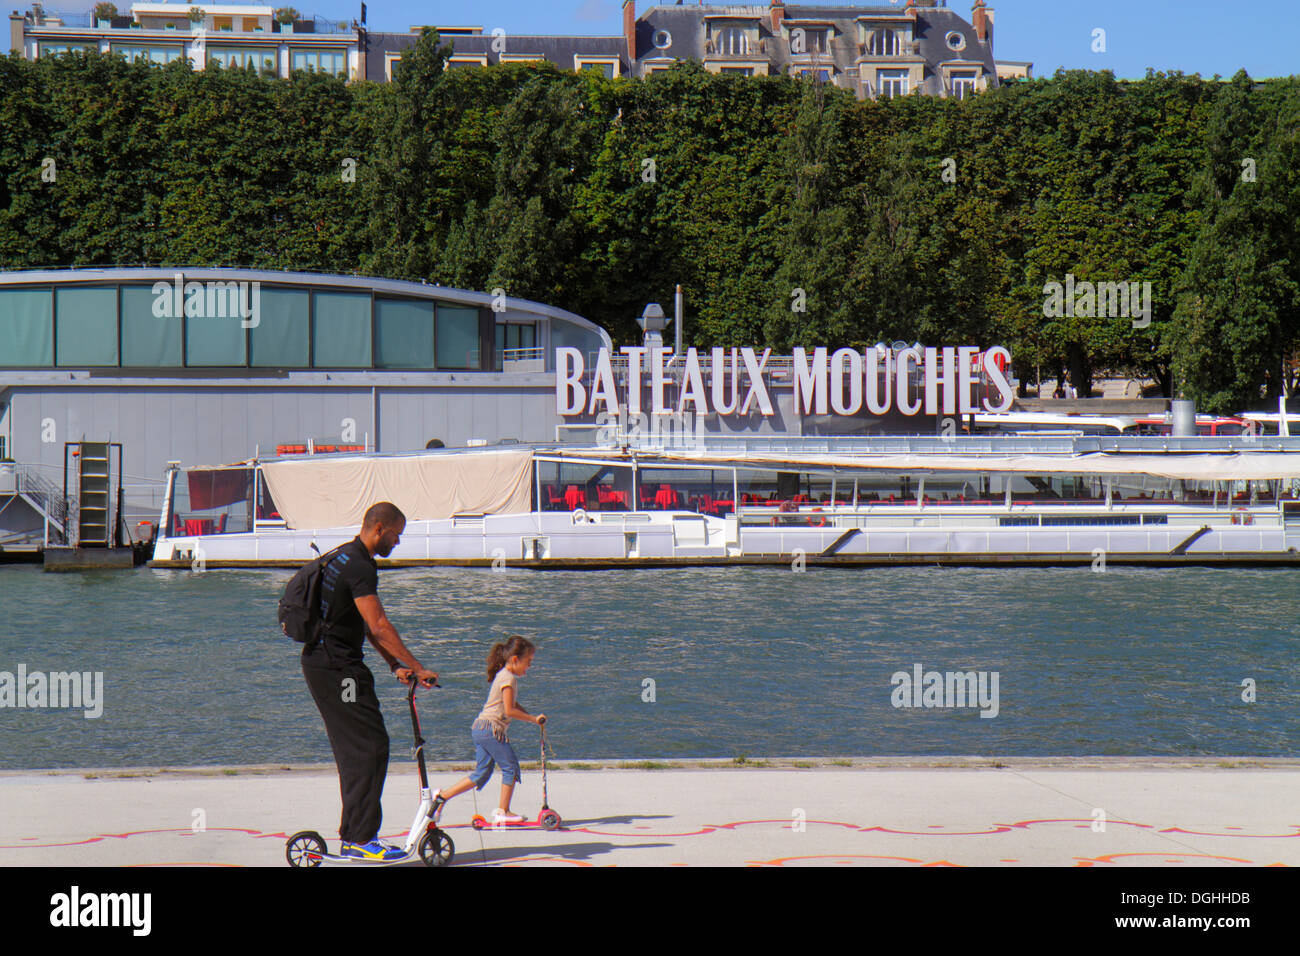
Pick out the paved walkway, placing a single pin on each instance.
(1064, 812)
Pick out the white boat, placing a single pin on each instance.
(991, 500)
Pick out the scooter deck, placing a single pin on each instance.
(479, 822)
(335, 858)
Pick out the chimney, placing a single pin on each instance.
(629, 31)
(778, 15)
(16, 33)
(982, 20)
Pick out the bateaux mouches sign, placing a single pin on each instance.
(845, 382)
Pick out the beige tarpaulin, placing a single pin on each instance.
(333, 493)
(1259, 466)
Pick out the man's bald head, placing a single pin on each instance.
(382, 527)
(384, 513)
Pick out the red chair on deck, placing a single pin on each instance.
(666, 498)
(574, 498)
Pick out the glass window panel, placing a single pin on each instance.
(26, 328)
(281, 338)
(151, 331)
(154, 54)
(403, 333)
(457, 337)
(54, 49)
(87, 326)
(333, 62)
(260, 58)
(215, 342)
(342, 333)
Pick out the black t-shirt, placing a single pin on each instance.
(350, 574)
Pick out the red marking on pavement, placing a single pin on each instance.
(1249, 836)
(1186, 857)
(846, 858)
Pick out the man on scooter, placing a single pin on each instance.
(344, 688)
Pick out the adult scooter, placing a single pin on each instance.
(433, 846)
(548, 819)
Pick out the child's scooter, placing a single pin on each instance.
(548, 819)
(434, 847)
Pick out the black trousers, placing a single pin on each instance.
(357, 736)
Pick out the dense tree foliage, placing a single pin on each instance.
(790, 212)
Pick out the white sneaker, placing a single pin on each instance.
(501, 818)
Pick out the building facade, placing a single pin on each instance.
(227, 34)
(875, 51)
(216, 365)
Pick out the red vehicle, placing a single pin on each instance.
(1205, 425)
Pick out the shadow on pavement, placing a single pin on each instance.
(469, 856)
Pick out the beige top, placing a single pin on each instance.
(494, 711)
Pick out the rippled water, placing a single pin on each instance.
(752, 661)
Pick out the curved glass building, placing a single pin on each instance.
(216, 365)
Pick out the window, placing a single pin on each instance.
(732, 41)
(54, 49)
(215, 338)
(662, 40)
(607, 66)
(341, 336)
(262, 59)
(390, 61)
(333, 62)
(883, 43)
(403, 333)
(457, 337)
(154, 54)
(464, 60)
(738, 70)
(513, 337)
(956, 42)
(809, 40)
(891, 82)
(821, 74)
(963, 83)
(148, 339)
(282, 336)
(27, 329)
(85, 327)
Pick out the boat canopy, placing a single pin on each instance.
(336, 492)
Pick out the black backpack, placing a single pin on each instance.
(299, 612)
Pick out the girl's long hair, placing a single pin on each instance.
(512, 646)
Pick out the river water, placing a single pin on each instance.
(716, 662)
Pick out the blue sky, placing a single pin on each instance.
(1194, 36)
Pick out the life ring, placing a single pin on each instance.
(580, 516)
(819, 521)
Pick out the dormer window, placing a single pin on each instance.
(884, 43)
(732, 41)
(809, 40)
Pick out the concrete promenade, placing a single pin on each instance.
(1063, 812)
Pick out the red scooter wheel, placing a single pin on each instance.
(479, 823)
(549, 820)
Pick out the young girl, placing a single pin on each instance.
(507, 662)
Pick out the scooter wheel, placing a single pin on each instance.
(305, 849)
(436, 848)
(550, 820)
(479, 823)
